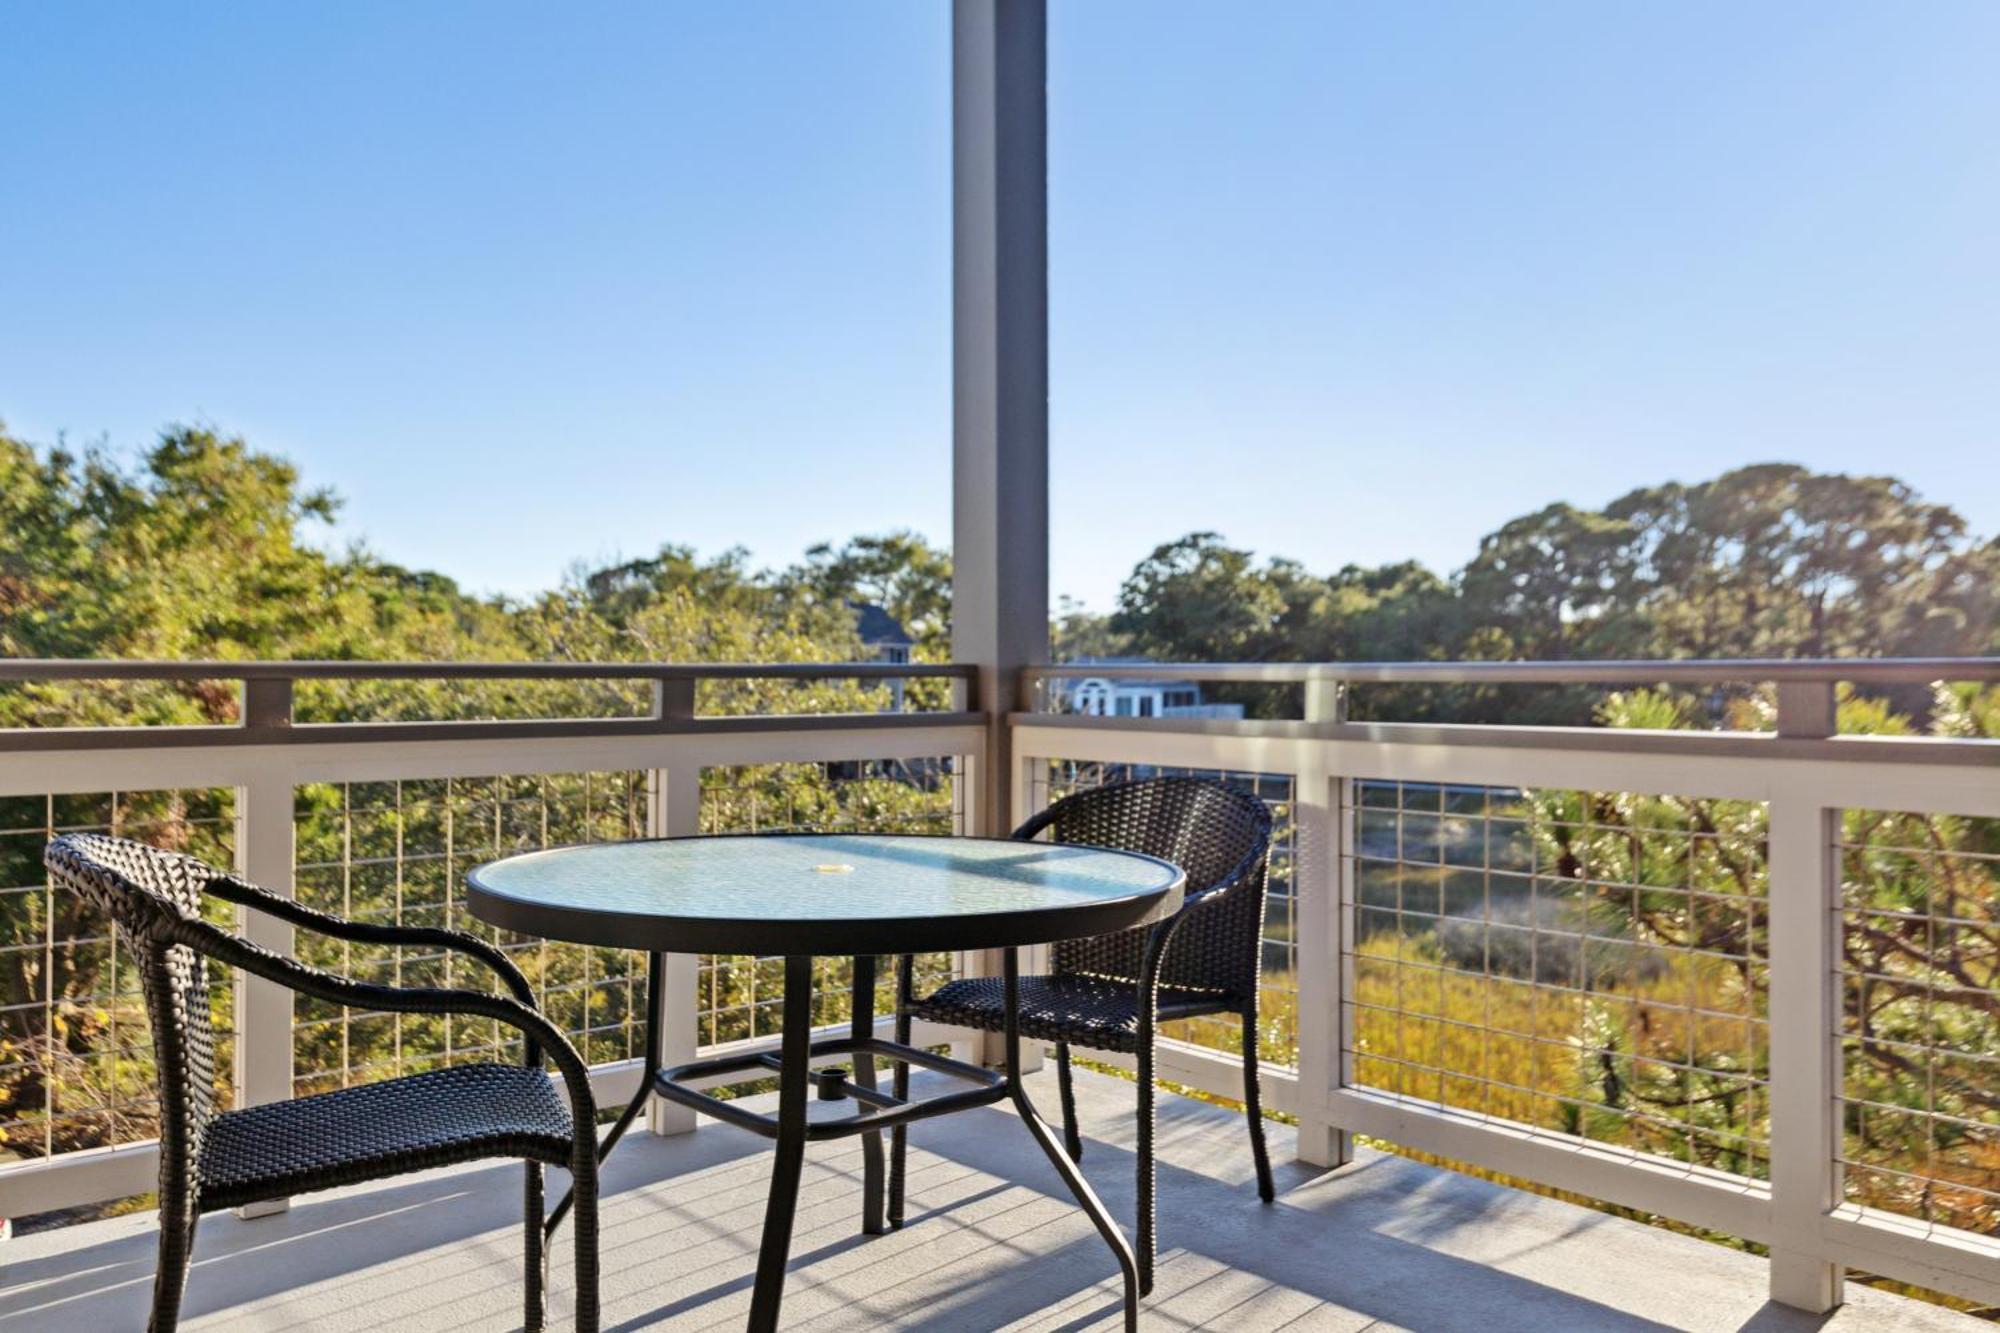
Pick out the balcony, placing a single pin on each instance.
(993, 1243)
(1652, 1026)
(1434, 983)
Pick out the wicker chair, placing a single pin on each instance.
(1110, 992)
(211, 1159)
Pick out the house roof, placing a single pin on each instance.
(876, 626)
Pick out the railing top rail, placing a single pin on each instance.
(46, 668)
(1857, 670)
(1860, 670)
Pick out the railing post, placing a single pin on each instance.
(1805, 1055)
(1808, 710)
(264, 852)
(1025, 798)
(969, 775)
(673, 810)
(673, 700)
(1318, 807)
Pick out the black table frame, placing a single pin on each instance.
(875, 1112)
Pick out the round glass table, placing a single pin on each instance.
(812, 895)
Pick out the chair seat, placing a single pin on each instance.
(380, 1129)
(1089, 1011)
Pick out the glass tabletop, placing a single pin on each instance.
(823, 892)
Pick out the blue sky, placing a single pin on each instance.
(1347, 282)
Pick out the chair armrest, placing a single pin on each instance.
(541, 1035)
(245, 894)
(1245, 871)
(1036, 823)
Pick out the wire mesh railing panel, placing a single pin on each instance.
(399, 852)
(1587, 963)
(740, 996)
(76, 1054)
(1920, 1043)
(1278, 989)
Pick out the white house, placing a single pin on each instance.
(1103, 696)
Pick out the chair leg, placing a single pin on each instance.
(1148, 1238)
(1253, 1106)
(535, 1315)
(1072, 1139)
(177, 1227)
(583, 1169)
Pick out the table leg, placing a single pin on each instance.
(1058, 1157)
(649, 1068)
(863, 1026)
(788, 1162)
(900, 1089)
(649, 1060)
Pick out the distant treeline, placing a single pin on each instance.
(194, 549)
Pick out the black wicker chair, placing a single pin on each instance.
(211, 1159)
(1110, 992)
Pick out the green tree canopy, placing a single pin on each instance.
(898, 571)
(1766, 561)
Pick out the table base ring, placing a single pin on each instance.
(877, 1110)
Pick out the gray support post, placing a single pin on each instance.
(1000, 374)
(1000, 363)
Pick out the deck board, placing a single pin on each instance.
(992, 1243)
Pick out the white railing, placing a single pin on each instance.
(1790, 788)
(262, 763)
(1775, 1174)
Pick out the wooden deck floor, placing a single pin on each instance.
(993, 1243)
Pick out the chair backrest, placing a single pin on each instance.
(1209, 830)
(143, 890)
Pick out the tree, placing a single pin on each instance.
(1772, 560)
(203, 546)
(898, 571)
(1775, 560)
(1076, 631)
(616, 593)
(198, 549)
(1199, 600)
(1555, 585)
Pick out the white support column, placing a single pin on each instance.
(1805, 1055)
(264, 853)
(673, 810)
(1000, 396)
(1319, 808)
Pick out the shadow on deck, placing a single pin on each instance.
(992, 1242)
